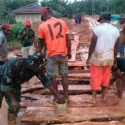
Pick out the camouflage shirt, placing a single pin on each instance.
(16, 72)
(28, 39)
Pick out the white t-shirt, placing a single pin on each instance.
(107, 35)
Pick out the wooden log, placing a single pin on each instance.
(76, 114)
(93, 123)
(37, 100)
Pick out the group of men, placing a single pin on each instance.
(53, 33)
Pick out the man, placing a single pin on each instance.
(120, 25)
(118, 71)
(3, 43)
(55, 35)
(102, 52)
(27, 37)
(16, 72)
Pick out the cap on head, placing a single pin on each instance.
(37, 60)
(27, 23)
(121, 16)
(104, 15)
(6, 26)
(44, 10)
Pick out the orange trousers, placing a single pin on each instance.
(100, 76)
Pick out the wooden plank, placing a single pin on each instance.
(74, 79)
(76, 114)
(28, 88)
(38, 100)
(74, 45)
(72, 89)
(77, 77)
(93, 123)
(85, 75)
(77, 63)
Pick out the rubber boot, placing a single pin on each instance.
(104, 90)
(11, 119)
(93, 100)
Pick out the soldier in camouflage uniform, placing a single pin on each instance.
(16, 72)
(27, 37)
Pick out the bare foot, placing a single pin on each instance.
(91, 101)
(104, 99)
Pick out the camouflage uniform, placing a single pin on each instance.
(16, 72)
(28, 40)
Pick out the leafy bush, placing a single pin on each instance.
(15, 30)
(13, 42)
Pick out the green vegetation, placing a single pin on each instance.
(89, 7)
(62, 8)
(13, 42)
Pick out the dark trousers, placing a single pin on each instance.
(1, 63)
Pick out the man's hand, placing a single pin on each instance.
(69, 55)
(25, 32)
(60, 98)
(5, 60)
(15, 105)
(88, 61)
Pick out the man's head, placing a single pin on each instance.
(6, 28)
(37, 61)
(104, 17)
(46, 13)
(121, 18)
(27, 24)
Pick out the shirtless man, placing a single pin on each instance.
(121, 27)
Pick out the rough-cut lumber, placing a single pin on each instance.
(28, 88)
(84, 75)
(73, 50)
(74, 79)
(93, 123)
(77, 63)
(77, 77)
(72, 89)
(76, 114)
(37, 100)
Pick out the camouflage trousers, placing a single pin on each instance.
(11, 114)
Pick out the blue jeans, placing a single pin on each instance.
(121, 48)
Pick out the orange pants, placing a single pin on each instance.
(100, 76)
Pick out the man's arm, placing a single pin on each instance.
(2, 55)
(40, 45)
(48, 84)
(5, 59)
(34, 42)
(23, 34)
(14, 102)
(116, 49)
(91, 48)
(68, 44)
